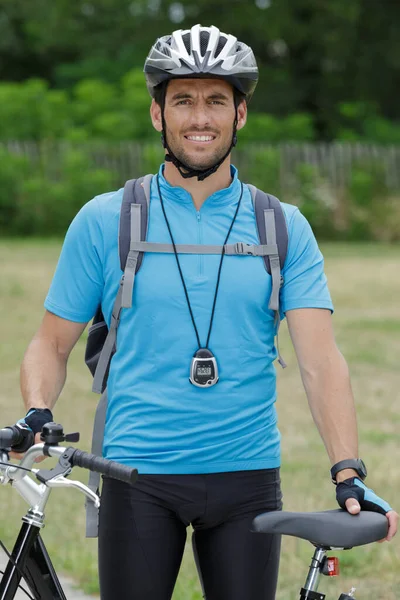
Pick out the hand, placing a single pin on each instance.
(353, 495)
(19, 456)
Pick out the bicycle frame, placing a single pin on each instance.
(30, 560)
(309, 591)
(29, 557)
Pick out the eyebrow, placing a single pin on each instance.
(213, 96)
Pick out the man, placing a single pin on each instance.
(206, 457)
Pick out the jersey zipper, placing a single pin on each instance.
(200, 241)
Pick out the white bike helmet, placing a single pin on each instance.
(202, 52)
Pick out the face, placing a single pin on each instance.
(199, 116)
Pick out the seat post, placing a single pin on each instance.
(309, 591)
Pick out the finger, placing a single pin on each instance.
(352, 506)
(393, 518)
(39, 459)
(16, 455)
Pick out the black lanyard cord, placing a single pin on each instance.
(219, 269)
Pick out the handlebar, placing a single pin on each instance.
(106, 467)
(19, 438)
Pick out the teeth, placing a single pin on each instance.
(200, 138)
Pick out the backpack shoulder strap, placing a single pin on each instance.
(272, 230)
(133, 225)
(266, 202)
(92, 511)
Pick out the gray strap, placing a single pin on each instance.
(269, 217)
(132, 258)
(92, 513)
(281, 360)
(240, 248)
(146, 188)
(109, 344)
(253, 191)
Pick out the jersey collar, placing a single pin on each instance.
(226, 196)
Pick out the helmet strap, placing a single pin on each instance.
(186, 171)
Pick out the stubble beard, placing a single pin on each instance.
(199, 163)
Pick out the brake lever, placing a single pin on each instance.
(60, 481)
(63, 467)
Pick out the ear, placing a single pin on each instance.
(155, 113)
(241, 115)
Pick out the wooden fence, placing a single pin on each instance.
(333, 162)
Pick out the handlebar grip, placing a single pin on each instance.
(8, 437)
(104, 466)
(18, 437)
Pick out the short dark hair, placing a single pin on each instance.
(159, 92)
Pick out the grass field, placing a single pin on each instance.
(365, 286)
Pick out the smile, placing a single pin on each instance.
(200, 138)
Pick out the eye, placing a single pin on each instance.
(183, 102)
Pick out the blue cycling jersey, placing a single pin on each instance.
(156, 420)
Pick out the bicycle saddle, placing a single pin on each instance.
(327, 529)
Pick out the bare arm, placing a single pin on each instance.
(44, 367)
(326, 379)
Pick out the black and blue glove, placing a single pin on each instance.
(35, 418)
(367, 499)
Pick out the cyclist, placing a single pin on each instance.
(210, 457)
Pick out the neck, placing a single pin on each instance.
(200, 190)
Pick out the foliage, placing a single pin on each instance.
(361, 121)
(313, 56)
(314, 204)
(41, 195)
(42, 202)
(262, 167)
(371, 214)
(96, 109)
(261, 127)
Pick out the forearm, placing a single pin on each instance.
(331, 402)
(43, 374)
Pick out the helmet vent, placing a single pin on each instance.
(204, 37)
(221, 44)
(186, 41)
(162, 47)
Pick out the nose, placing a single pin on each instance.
(200, 115)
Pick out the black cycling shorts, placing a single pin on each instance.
(142, 535)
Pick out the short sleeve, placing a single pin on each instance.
(305, 284)
(77, 286)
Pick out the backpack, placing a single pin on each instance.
(133, 225)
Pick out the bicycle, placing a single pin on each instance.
(326, 530)
(29, 559)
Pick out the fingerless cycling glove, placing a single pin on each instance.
(35, 418)
(355, 488)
